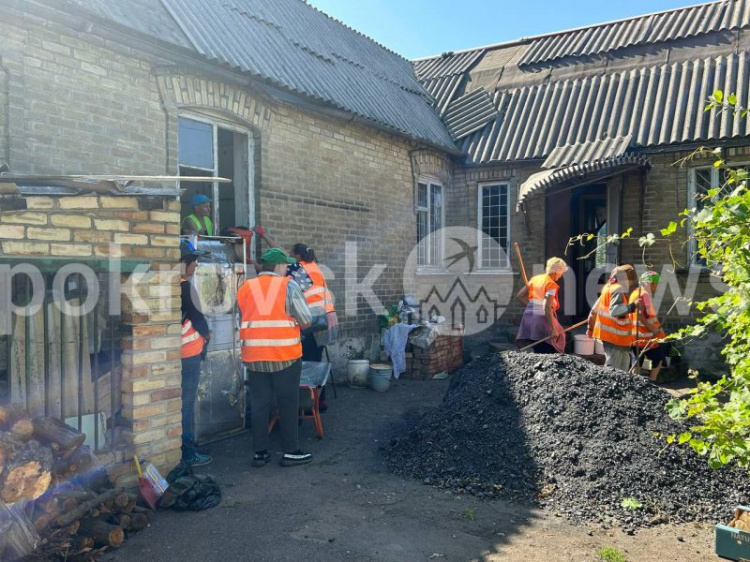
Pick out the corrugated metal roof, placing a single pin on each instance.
(577, 174)
(649, 29)
(295, 47)
(146, 16)
(470, 113)
(443, 90)
(447, 64)
(586, 152)
(657, 105)
(302, 50)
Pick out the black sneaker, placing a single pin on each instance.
(295, 458)
(261, 458)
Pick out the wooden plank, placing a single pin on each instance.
(19, 178)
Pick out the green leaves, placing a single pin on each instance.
(685, 438)
(671, 229)
(631, 504)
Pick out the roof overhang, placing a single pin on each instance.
(575, 175)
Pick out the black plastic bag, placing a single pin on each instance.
(189, 491)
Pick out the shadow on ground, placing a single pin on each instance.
(345, 506)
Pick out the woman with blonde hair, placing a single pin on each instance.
(540, 317)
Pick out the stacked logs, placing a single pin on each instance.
(54, 498)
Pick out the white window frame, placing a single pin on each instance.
(480, 232)
(217, 123)
(431, 182)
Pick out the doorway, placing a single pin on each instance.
(593, 209)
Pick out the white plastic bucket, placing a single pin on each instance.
(598, 347)
(583, 345)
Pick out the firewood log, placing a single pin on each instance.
(9, 445)
(83, 543)
(72, 529)
(102, 533)
(85, 508)
(138, 521)
(28, 474)
(16, 420)
(124, 520)
(78, 461)
(68, 501)
(52, 430)
(42, 521)
(128, 507)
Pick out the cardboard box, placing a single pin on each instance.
(733, 540)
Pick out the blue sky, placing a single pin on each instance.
(419, 28)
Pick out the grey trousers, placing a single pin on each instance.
(284, 387)
(617, 356)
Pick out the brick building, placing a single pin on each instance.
(581, 131)
(322, 131)
(330, 139)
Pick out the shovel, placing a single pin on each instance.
(550, 337)
(144, 486)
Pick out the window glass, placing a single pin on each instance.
(493, 225)
(196, 144)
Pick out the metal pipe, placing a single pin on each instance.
(95, 374)
(80, 355)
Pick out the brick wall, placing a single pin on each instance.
(528, 231)
(89, 230)
(74, 103)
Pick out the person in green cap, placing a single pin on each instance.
(199, 222)
(273, 313)
(648, 331)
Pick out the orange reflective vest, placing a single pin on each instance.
(539, 287)
(267, 332)
(318, 295)
(192, 341)
(643, 332)
(608, 328)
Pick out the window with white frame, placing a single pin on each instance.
(494, 225)
(210, 148)
(701, 181)
(430, 213)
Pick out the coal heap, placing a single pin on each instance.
(561, 432)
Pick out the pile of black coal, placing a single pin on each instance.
(586, 441)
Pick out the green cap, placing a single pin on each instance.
(275, 256)
(650, 277)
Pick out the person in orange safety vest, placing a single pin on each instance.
(273, 311)
(647, 326)
(195, 338)
(311, 280)
(540, 316)
(609, 320)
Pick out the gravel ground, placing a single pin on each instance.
(560, 432)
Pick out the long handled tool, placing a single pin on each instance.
(550, 337)
(520, 261)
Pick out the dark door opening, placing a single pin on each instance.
(588, 210)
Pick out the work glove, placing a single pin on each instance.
(259, 230)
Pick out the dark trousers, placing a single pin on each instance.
(284, 387)
(545, 348)
(191, 374)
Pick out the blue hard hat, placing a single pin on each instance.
(199, 199)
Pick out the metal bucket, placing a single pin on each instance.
(380, 377)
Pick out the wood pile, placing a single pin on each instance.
(56, 502)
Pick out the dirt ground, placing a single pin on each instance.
(345, 506)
